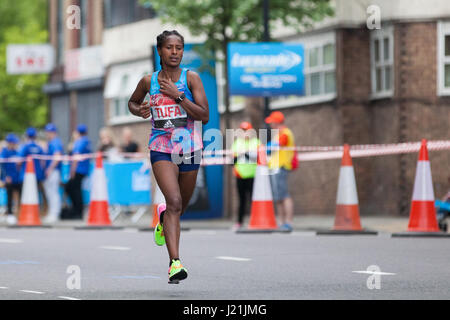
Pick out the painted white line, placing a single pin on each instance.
(203, 232)
(11, 241)
(233, 258)
(31, 291)
(3, 287)
(376, 272)
(68, 298)
(114, 248)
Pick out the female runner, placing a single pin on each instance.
(179, 107)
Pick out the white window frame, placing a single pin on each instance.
(131, 70)
(309, 43)
(443, 29)
(380, 35)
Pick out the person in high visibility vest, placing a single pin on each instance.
(280, 164)
(245, 151)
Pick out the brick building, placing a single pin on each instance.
(386, 85)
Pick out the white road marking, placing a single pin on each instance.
(3, 287)
(68, 298)
(204, 232)
(11, 241)
(376, 272)
(115, 248)
(233, 258)
(31, 291)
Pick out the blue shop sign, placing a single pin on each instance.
(265, 69)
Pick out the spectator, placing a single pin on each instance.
(245, 151)
(10, 175)
(280, 163)
(79, 169)
(53, 174)
(107, 145)
(73, 138)
(129, 145)
(106, 142)
(31, 148)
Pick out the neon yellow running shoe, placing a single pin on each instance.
(158, 233)
(177, 272)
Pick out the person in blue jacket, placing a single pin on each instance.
(79, 169)
(10, 175)
(53, 173)
(31, 148)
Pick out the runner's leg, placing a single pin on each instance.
(166, 175)
(186, 181)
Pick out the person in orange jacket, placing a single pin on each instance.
(280, 164)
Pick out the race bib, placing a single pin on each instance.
(169, 116)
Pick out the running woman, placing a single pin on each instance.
(179, 107)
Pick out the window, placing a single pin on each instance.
(443, 52)
(319, 72)
(382, 62)
(320, 77)
(119, 106)
(120, 84)
(119, 12)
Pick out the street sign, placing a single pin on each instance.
(265, 69)
(30, 59)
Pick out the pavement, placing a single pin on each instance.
(125, 264)
(69, 264)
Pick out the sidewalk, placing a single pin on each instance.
(382, 224)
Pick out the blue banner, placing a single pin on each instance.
(265, 69)
(3, 197)
(127, 183)
(207, 200)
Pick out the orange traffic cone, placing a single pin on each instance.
(29, 201)
(98, 207)
(262, 215)
(422, 216)
(347, 206)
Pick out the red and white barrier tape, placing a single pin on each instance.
(305, 153)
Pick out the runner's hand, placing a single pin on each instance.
(169, 88)
(144, 110)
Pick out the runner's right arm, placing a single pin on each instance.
(135, 104)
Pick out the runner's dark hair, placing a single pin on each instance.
(163, 36)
